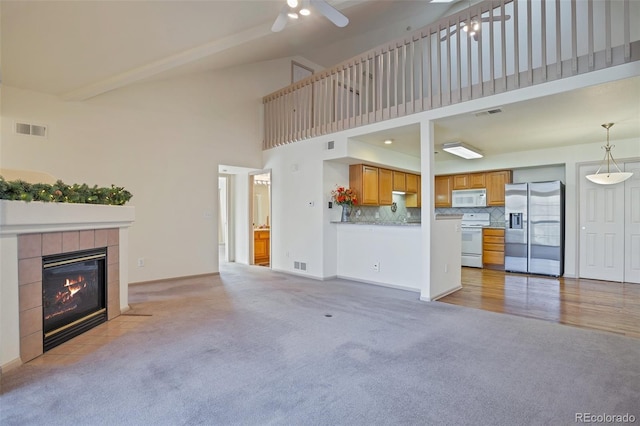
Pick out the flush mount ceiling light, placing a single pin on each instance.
(608, 178)
(388, 141)
(462, 150)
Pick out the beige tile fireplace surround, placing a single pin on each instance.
(29, 231)
(31, 249)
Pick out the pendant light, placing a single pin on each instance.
(608, 178)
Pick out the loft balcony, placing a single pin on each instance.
(516, 44)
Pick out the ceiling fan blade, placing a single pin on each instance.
(330, 12)
(497, 18)
(281, 20)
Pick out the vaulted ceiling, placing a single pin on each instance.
(80, 49)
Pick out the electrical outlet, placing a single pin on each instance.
(376, 267)
(140, 262)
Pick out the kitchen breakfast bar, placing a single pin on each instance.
(391, 254)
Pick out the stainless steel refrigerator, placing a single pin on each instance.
(534, 228)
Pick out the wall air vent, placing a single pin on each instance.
(488, 112)
(31, 129)
(330, 145)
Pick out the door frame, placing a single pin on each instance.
(250, 223)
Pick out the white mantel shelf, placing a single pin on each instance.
(18, 218)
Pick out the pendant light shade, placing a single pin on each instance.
(608, 177)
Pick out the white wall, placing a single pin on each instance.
(396, 250)
(162, 141)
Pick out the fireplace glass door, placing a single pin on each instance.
(73, 294)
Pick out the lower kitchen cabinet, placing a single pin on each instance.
(493, 248)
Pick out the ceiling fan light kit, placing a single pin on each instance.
(608, 178)
(293, 8)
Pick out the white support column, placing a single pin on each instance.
(427, 136)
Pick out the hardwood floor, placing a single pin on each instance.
(601, 305)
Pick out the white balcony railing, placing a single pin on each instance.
(541, 40)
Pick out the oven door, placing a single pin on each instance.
(472, 247)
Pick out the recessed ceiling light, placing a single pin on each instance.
(292, 15)
(305, 12)
(292, 3)
(388, 142)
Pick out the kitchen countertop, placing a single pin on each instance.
(379, 223)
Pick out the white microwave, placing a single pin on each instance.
(469, 198)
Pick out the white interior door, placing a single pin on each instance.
(602, 211)
(632, 224)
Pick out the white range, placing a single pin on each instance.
(472, 224)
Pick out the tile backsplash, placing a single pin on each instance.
(412, 214)
(497, 213)
(385, 213)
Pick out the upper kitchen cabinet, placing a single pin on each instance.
(412, 183)
(414, 199)
(495, 186)
(364, 181)
(399, 181)
(442, 188)
(469, 181)
(385, 187)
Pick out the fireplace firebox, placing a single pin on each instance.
(74, 294)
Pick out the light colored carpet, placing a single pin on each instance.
(255, 347)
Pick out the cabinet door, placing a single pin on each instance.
(369, 185)
(477, 180)
(461, 182)
(261, 247)
(364, 181)
(385, 187)
(412, 183)
(399, 181)
(442, 189)
(495, 186)
(415, 199)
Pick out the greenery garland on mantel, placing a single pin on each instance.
(60, 192)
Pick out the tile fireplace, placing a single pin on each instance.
(38, 242)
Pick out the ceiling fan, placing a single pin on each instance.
(475, 26)
(293, 8)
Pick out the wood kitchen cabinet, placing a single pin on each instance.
(385, 187)
(495, 186)
(414, 199)
(363, 180)
(493, 248)
(399, 181)
(411, 183)
(469, 181)
(442, 189)
(261, 246)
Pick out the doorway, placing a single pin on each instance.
(261, 217)
(223, 219)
